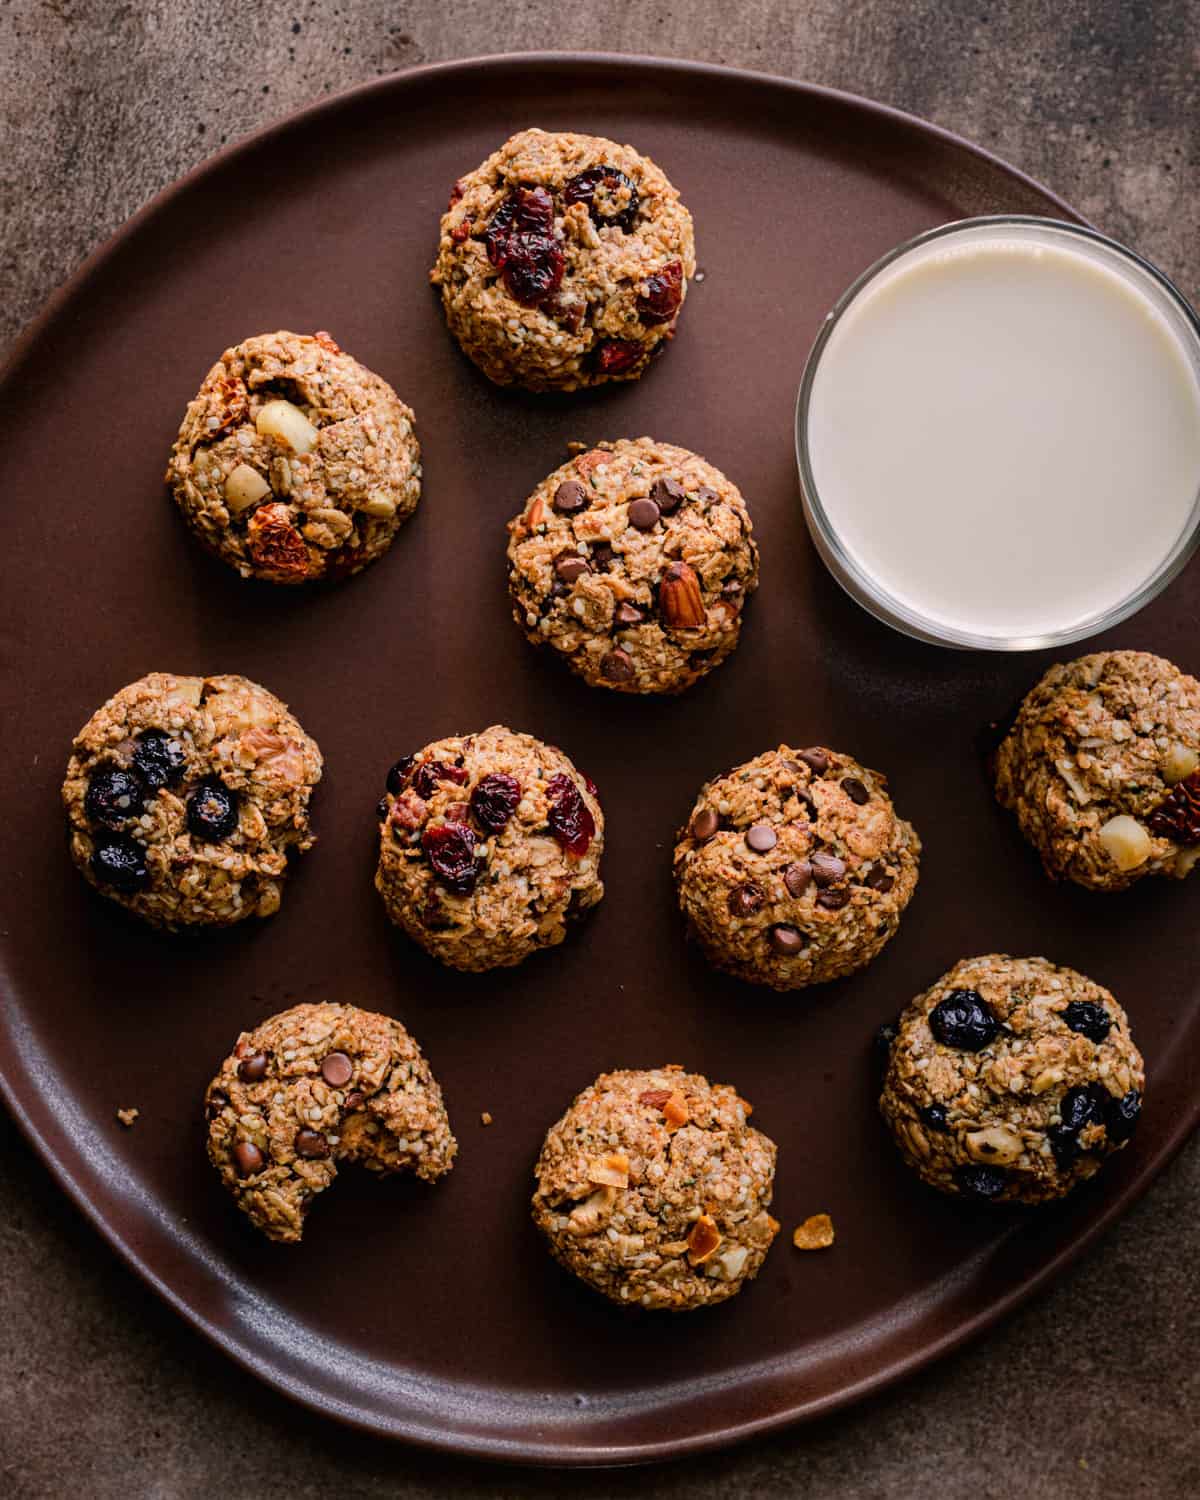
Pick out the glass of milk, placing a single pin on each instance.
(998, 434)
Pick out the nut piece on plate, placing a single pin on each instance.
(295, 463)
(184, 796)
(314, 1087)
(816, 1233)
(563, 261)
(1102, 768)
(654, 1190)
(489, 847)
(634, 561)
(795, 868)
(1011, 1080)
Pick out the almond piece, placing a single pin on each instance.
(654, 1098)
(995, 1144)
(680, 599)
(587, 1216)
(245, 487)
(816, 1233)
(1179, 763)
(704, 1240)
(287, 424)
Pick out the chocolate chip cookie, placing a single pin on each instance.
(563, 262)
(1102, 768)
(654, 1190)
(489, 847)
(314, 1087)
(1012, 1080)
(634, 561)
(294, 462)
(185, 796)
(795, 868)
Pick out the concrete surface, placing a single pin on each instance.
(1093, 1390)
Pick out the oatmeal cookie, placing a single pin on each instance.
(294, 463)
(1012, 1079)
(794, 868)
(185, 795)
(563, 262)
(634, 562)
(312, 1087)
(489, 845)
(653, 1190)
(1102, 768)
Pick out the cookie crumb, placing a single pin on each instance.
(485, 1118)
(816, 1233)
(127, 1117)
(575, 446)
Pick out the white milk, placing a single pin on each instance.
(1004, 433)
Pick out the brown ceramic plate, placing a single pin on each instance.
(435, 1315)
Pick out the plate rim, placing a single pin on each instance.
(65, 1161)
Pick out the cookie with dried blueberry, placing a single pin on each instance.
(654, 1190)
(185, 797)
(1011, 1080)
(795, 868)
(634, 562)
(489, 847)
(564, 261)
(310, 1090)
(295, 463)
(1102, 769)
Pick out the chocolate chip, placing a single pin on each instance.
(569, 566)
(253, 1069)
(879, 879)
(602, 555)
(835, 899)
(827, 868)
(627, 614)
(705, 496)
(570, 497)
(311, 1144)
(786, 940)
(855, 790)
(247, 1158)
(217, 1100)
(815, 759)
(761, 838)
(643, 514)
(356, 1100)
(668, 495)
(703, 825)
(617, 666)
(796, 877)
(745, 900)
(337, 1070)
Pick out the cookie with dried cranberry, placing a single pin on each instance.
(795, 868)
(489, 847)
(654, 1190)
(310, 1090)
(1102, 768)
(564, 261)
(1011, 1080)
(634, 562)
(295, 463)
(186, 795)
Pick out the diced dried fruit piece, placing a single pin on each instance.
(275, 544)
(533, 268)
(610, 1171)
(675, 1111)
(430, 772)
(233, 407)
(616, 356)
(1178, 818)
(494, 799)
(816, 1233)
(680, 599)
(610, 195)
(1126, 842)
(327, 341)
(569, 819)
(287, 424)
(450, 849)
(661, 293)
(245, 487)
(704, 1240)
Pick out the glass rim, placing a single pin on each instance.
(845, 568)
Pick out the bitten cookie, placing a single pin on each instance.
(294, 463)
(1102, 768)
(654, 1190)
(313, 1087)
(634, 562)
(185, 795)
(795, 868)
(563, 262)
(489, 847)
(1011, 1079)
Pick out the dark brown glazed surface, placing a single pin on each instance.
(436, 1314)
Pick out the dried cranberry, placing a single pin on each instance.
(591, 785)
(615, 356)
(1178, 817)
(494, 801)
(570, 821)
(661, 294)
(610, 195)
(533, 268)
(430, 772)
(399, 774)
(450, 849)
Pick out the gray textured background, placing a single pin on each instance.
(1092, 1390)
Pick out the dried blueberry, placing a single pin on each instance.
(212, 812)
(119, 861)
(399, 774)
(113, 795)
(1121, 1116)
(934, 1115)
(978, 1181)
(1089, 1019)
(494, 800)
(450, 849)
(159, 759)
(610, 195)
(569, 819)
(1064, 1144)
(964, 1020)
(1083, 1106)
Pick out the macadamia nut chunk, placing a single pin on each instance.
(654, 1190)
(1102, 768)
